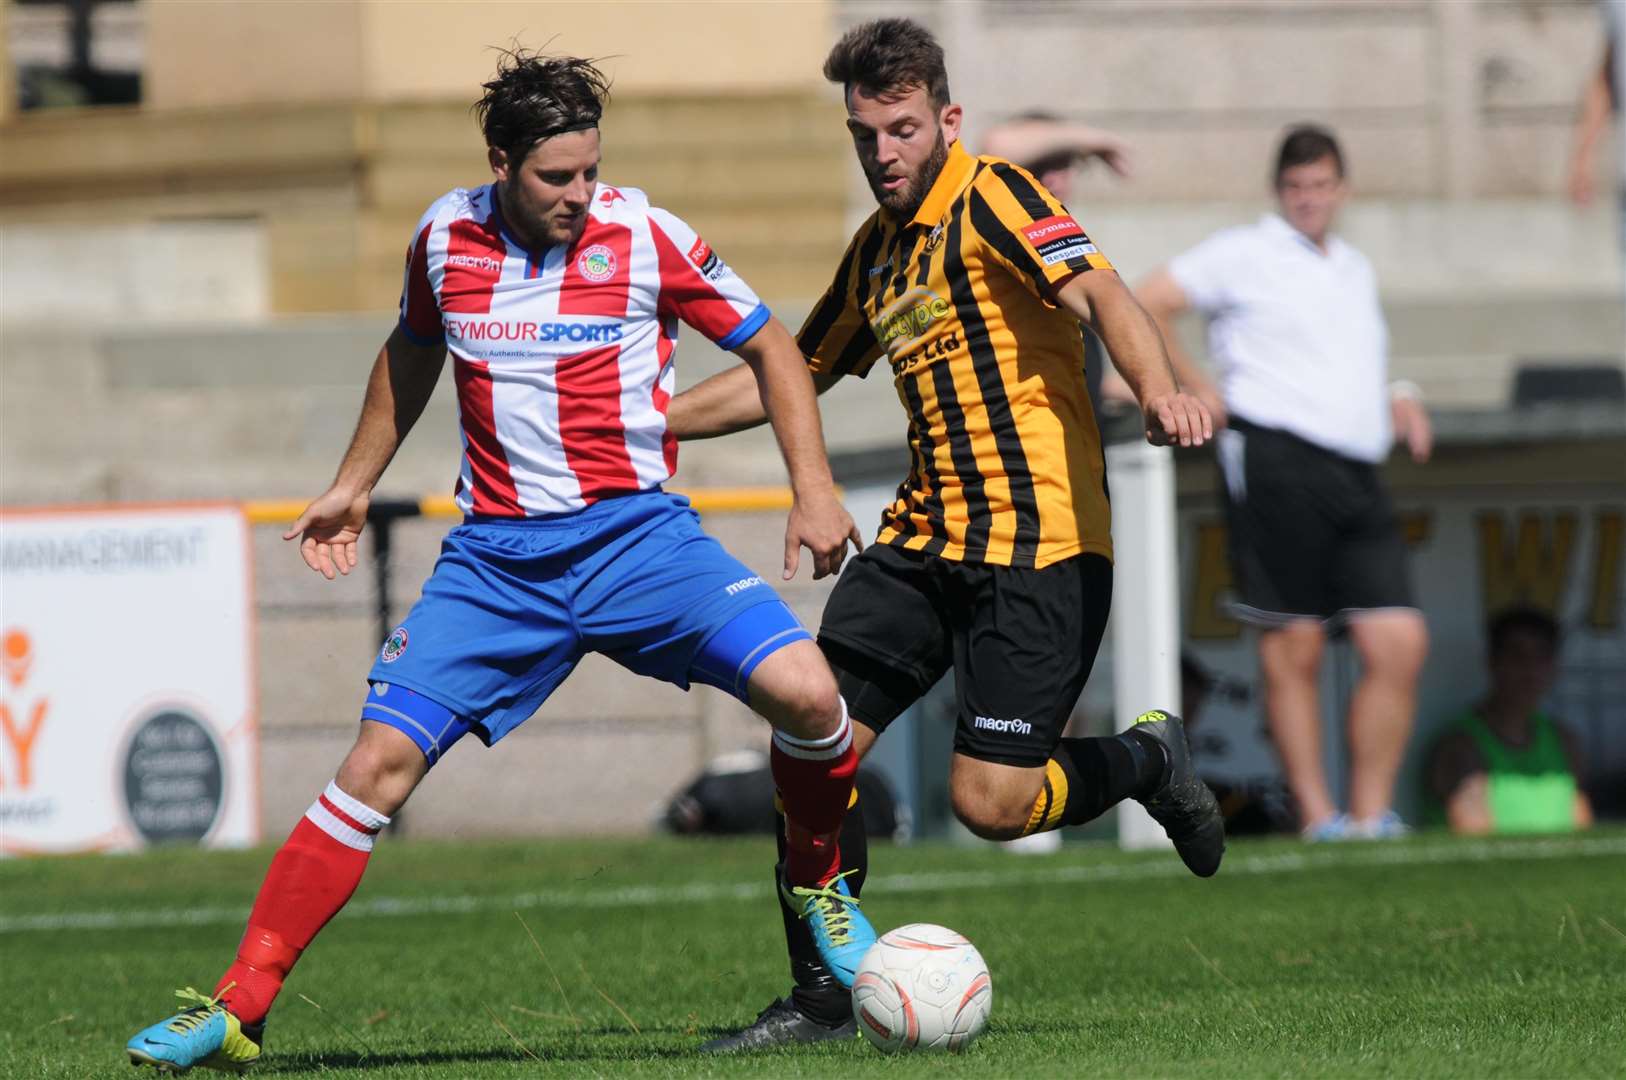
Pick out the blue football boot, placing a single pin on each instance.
(202, 1034)
(840, 931)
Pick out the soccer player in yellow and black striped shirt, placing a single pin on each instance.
(995, 559)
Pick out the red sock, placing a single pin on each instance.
(815, 781)
(313, 875)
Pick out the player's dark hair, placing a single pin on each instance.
(889, 56)
(536, 97)
(1304, 144)
(1522, 620)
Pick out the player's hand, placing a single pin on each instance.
(1582, 188)
(1114, 152)
(822, 525)
(1218, 414)
(1413, 427)
(1177, 419)
(330, 526)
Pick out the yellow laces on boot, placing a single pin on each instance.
(202, 1006)
(835, 909)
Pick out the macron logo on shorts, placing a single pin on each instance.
(1004, 727)
(743, 584)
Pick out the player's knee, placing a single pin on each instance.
(381, 771)
(802, 698)
(1396, 648)
(816, 707)
(989, 818)
(1292, 653)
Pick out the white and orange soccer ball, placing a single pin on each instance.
(922, 987)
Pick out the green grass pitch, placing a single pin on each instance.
(1429, 957)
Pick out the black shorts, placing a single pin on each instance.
(1021, 642)
(1312, 533)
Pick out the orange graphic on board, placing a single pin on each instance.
(17, 737)
(16, 657)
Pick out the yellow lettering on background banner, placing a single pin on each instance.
(1416, 526)
(1604, 611)
(1534, 570)
(1210, 584)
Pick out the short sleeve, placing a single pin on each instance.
(1204, 272)
(836, 339)
(420, 310)
(699, 288)
(1029, 231)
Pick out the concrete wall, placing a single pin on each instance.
(262, 51)
(220, 55)
(1443, 98)
(338, 189)
(161, 272)
(344, 119)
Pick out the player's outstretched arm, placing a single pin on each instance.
(724, 403)
(1100, 298)
(1031, 140)
(403, 378)
(1591, 120)
(787, 397)
(1163, 299)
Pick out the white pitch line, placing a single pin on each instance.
(1286, 862)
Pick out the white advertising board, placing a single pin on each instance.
(127, 697)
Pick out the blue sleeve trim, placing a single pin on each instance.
(747, 328)
(419, 339)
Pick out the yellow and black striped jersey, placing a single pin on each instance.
(1007, 465)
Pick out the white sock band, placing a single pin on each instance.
(831, 746)
(348, 820)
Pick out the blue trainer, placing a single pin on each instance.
(1386, 826)
(1335, 829)
(840, 930)
(203, 1034)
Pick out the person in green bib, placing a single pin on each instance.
(1504, 765)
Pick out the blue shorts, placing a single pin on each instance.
(513, 606)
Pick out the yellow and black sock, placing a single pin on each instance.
(1086, 776)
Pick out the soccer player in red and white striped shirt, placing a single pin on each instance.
(557, 297)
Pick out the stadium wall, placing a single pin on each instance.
(1447, 99)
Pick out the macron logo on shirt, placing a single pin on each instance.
(576, 333)
(475, 262)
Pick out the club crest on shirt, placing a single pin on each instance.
(596, 263)
(394, 645)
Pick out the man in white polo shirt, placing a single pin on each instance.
(1297, 336)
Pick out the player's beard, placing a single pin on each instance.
(535, 228)
(904, 202)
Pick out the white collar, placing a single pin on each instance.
(1277, 225)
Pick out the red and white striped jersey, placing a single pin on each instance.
(563, 357)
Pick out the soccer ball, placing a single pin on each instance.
(922, 987)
